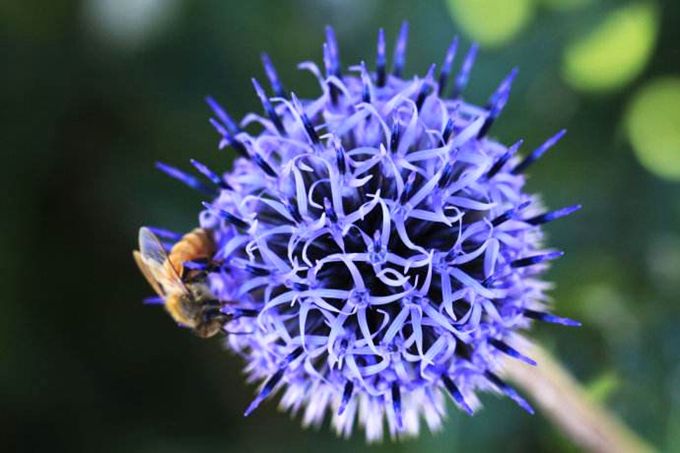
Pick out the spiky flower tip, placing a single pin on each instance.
(382, 242)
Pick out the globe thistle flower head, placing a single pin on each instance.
(375, 247)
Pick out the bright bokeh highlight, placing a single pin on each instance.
(492, 23)
(565, 5)
(653, 127)
(615, 52)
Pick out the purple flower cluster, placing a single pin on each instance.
(384, 240)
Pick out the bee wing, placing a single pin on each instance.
(148, 273)
(150, 247)
(154, 257)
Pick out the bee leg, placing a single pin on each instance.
(196, 277)
(199, 268)
(213, 314)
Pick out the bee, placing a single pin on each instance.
(187, 297)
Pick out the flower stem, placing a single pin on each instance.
(588, 424)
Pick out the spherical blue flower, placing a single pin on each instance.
(384, 244)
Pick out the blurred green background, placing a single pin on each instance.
(92, 92)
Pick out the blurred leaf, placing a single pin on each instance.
(492, 23)
(601, 388)
(652, 124)
(615, 52)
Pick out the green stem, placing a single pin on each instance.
(590, 426)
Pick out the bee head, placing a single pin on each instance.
(212, 321)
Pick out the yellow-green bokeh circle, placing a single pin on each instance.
(565, 5)
(653, 127)
(615, 52)
(491, 22)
